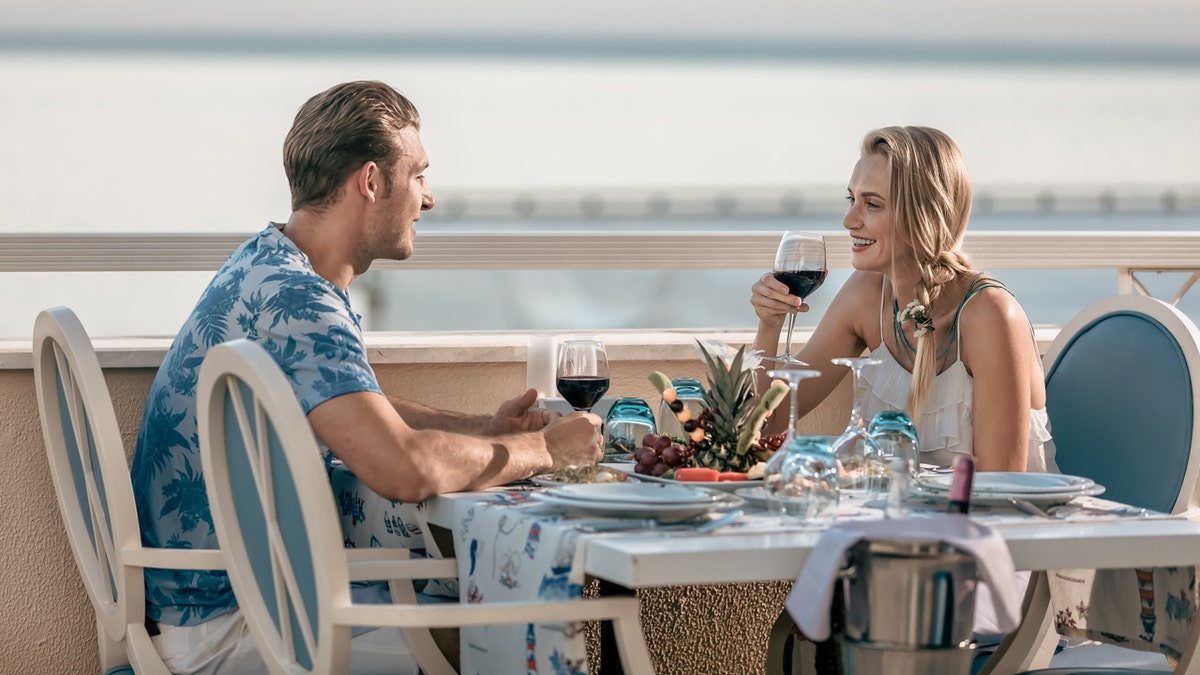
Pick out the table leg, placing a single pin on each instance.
(1033, 643)
(610, 660)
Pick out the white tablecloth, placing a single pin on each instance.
(511, 550)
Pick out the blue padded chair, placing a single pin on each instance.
(1121, 393)
(95, 496)
(274, 509)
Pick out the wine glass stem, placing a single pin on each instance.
(794, 414)
(856, 420)
(787, 346)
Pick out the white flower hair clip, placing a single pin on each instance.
(918, 313)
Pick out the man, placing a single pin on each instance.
(355, 165)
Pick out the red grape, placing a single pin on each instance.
(671, 456)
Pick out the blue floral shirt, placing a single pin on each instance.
(268, 292)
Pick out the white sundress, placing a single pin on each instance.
(945, 427)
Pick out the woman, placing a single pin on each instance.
(957, 351)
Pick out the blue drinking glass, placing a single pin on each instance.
(690, 392)
(628, 420)
(896, 436)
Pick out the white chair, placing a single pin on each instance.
(291, 574)
(1122, 387)
(95, 496)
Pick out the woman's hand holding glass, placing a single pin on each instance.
(799, 270)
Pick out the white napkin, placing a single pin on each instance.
(809, 601)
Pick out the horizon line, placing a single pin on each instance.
(600, 47)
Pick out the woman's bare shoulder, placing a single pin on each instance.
(993, 316)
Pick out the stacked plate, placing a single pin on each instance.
(1000, 486)
(636, 500)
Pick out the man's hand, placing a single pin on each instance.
(516, 415)
(574, 440)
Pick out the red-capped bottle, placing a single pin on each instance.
(960, 484)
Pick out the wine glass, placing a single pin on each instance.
(582, 376)
(800, 264)
(859, 457)
(800, 479)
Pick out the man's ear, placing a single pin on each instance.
(368, 181)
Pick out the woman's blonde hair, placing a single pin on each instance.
(931, 203)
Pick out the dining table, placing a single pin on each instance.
(511, 545)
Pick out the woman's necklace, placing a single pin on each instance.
(922, 323)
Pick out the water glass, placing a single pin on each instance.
(801, 481)
(628, 420)
(688, 391)
(896, 436)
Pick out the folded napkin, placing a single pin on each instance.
(809, 601)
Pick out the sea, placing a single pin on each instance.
(163, 139)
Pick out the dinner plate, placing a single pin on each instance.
(754, 496)
(665, 512)
(722, 485)
(645, 493)
(1011, 483)
(1001, 498)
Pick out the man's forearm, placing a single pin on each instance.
(420, 416)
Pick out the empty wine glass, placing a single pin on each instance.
(800, 264)
(859, 462)
(800, 479)
(582, 376)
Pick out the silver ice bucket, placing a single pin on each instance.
(907, 607)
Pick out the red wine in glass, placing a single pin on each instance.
(800, 265)
(582, 376)
(801, 283)
(582, 391)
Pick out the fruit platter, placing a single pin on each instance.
(723, 445)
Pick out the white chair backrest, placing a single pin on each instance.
(88, 468)
(1122, 386)
(275, 512)
(273, 508)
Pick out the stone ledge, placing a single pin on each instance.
(450, 347)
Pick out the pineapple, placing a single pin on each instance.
(729, 400)
(725, 436)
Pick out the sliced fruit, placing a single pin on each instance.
(732, 475)
(699, 474)
(663, 384)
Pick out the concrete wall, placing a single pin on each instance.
(50, 623)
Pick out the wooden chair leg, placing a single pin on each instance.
(789, 652)
(112, 652)
(1034, 641)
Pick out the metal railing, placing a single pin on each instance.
(1129, 253)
